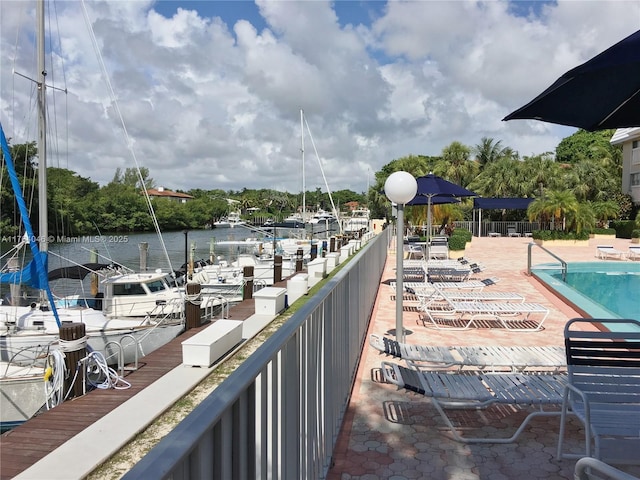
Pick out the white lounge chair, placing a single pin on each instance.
(607, 251)
(437, 295)
(462, 315)
(487, 358)
(634, 252)
(466, 390)
(512, 232)
(426, 287)
(589, 468)
(603, 389)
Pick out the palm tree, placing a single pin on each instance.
(489, 150)
(582, 218)
(562, 203)
(457, 165)
(605, 211)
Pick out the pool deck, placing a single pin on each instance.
(395, 434)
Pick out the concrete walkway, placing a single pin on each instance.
(394, 434)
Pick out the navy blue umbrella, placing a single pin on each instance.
(602, 93)
(434, 186)
(432, 190)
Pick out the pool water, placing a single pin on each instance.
(601, 289)
(618, 292)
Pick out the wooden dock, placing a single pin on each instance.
(28, 443)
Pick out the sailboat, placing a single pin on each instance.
(116, 327)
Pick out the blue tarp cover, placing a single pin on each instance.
(502, 203)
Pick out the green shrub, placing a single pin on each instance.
(457, 242)
(464, 233)
(635, 234)
(623, 228)
(559, 235)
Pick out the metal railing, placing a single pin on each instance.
(488, 227)
(278, 415)
(562, 267)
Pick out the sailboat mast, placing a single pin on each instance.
(42, 131)
(304, 187)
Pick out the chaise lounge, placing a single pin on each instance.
(607, 251)
(474, 390)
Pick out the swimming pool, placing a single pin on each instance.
(598, 289)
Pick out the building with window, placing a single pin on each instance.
(162, 192)
(629, 138)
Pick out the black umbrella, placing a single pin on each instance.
(599, 94)
(436, 189)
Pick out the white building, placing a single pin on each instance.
(629, 138)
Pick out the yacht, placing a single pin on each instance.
(230, 221)
(358, 222)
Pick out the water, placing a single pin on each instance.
(615, 289)
(125, 249)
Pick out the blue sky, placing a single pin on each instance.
(210, 93)
(349, 12)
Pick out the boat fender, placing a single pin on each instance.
(201, 277)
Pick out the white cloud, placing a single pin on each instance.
(209, 104)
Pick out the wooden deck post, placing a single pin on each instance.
(74, 332)
(247, 274)
(299, 255)
(277, 269)
(192, 309)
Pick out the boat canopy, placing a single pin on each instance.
(78, 272)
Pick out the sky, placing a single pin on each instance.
(208, 94)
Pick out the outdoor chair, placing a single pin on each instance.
(461, 315)
(478, 390)
(589, 468)
(424, 288)
(603, 388)
(607, 251)
(634, 252)
(437, 295)
(486, 358)
(512, 232)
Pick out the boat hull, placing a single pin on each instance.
(28, 348)
(21, 397)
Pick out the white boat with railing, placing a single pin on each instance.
(358, 222)
(230, 221)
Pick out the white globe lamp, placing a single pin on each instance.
(400, 188)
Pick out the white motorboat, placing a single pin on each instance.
(358, 222)
(230, 221)
(322, 216)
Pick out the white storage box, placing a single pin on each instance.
(207, 346)
(297, 286)
(270, 300)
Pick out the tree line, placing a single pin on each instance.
(79, 206)
(578, 186)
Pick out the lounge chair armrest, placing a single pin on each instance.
(584, 396)
(390, 374)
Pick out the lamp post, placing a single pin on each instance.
(400, 188)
